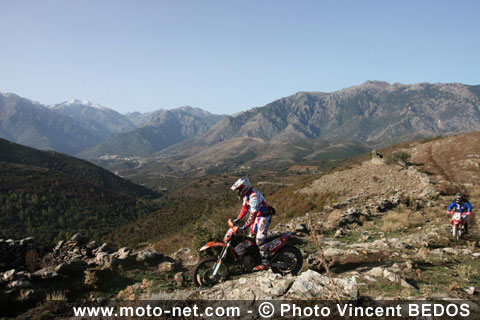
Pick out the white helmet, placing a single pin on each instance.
(242, 185)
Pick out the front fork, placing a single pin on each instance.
(220, 259)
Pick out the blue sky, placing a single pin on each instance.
(228, 56)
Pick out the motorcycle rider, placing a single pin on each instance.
(258, 220)
(460, 204)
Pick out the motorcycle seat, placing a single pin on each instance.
(271, 238)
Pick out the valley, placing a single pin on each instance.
(374, 221)
(378, 222)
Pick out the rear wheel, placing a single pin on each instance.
(288, 260)
(203, 275)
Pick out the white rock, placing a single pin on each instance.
(9, 275)
(102, 258)
(390, 276)
(376, 272)
(371, 279)
(123, 253)
(470, 290)
(166, 266)
(309, 284)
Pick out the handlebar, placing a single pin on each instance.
(463, 213)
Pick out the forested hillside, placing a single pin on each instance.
(49, 196)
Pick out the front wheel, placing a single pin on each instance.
(456, 232)
(203, 275)
(288, 260)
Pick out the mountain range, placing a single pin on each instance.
(303, 127)
(76, 125)
(374, 112)
(33, 124)
(98, 119)
(162, 129)
(309, 126)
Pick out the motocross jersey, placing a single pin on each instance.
(253, 202)
(463, 207)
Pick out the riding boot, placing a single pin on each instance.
(466, 228)
(265, 259)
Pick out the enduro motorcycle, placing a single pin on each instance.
(240, 254)
(458, 225)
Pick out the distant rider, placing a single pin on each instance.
(259, 217)
(460, 204)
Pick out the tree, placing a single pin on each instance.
(399, 157)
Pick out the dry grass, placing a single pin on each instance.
(454, 286)
(56, 296)
(174, 295)
(401, 220)
(422, 255)
(318, 244)
(466, 271)
(332, 218)
(31, 260)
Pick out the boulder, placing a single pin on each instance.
(376, 272)
(179, 278)
(385, 205)
(182, 254)
(9, 275)
(92, 245)
(45, 274)
(470, 290)
(19, 284)
(186, 256)
(350, 216)
(72, 267)
(349, 287)
(27, 241)
(103, 259)
(301, 228)
(275, 288)
(78, 237)
(103, 248)
(59, 245)
(339, 233)
(122, 253)
(166, 266)
(310, 284)
(148, 255)
(390, 276)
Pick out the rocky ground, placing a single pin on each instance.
(386, 236)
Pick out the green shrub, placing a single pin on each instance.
(398, 157)
(202, 236)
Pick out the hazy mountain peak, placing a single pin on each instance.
(369, 84)
(375, 83)
(6, 94)
(81, 102)
(16, 96)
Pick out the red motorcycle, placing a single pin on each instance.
(458, 225)
(239, 254)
